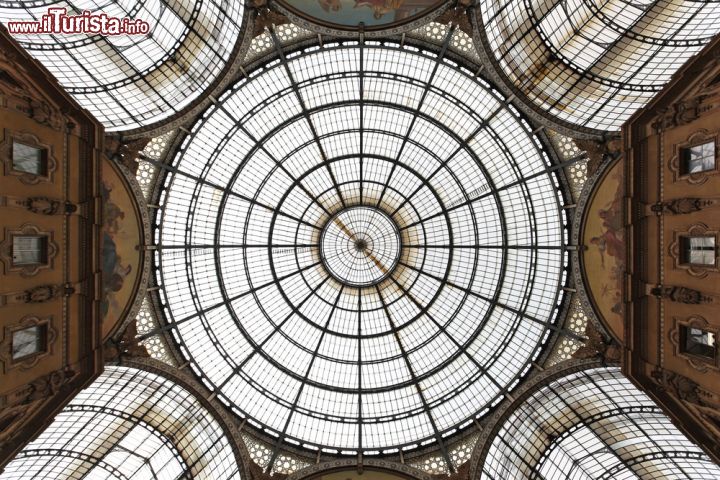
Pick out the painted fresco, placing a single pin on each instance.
(604, 256)
(350, 13)
(120, 239)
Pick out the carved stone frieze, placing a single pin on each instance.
(682, 295)
(598, 346)
(125, 152)
(599, 150)
(679, 113)
(682, 206)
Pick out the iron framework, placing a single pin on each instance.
(443, 339)
(129, 424)
(592, 424)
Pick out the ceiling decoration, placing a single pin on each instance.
(387, 16)
(129, 424)
(361, 247)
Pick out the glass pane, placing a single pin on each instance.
(26, 342)
(27, 159)
(28, 250)
(701, 250)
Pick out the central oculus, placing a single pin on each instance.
(360, 246)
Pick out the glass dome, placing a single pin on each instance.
(361, 247)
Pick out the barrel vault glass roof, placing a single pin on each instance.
(433, 339)
(131, 81)
(593, 63)
(594, 424)
(129, 425)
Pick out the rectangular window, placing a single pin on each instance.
(29, 159)
(698, 250)
(28, 341)
(699, 158)
(29, 250)
(697, 341)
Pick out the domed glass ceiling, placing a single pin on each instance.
(361, 247)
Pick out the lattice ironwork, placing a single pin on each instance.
(593, 424)
(131, 81)
(129, 424)
(410, 357)
(594, 63)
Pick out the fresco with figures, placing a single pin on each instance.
(604, 254)
(371, 13)
(120, 240)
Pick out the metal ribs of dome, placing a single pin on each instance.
(454, 327)
(128, 82)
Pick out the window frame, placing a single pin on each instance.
(40, 342)
(29, 140)
(44, 245)
(686, 250)
(685, 335)
(685, 153)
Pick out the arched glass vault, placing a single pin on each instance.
(129, 424)
(593, 424)
(128, 82)
(593, 63)
(361, 247)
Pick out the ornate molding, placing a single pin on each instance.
(6, 246)
(679, 113)
(352, 463)
(31, 140)
(683, 206)
(682, 295)
(31, 360)
(698, 362)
